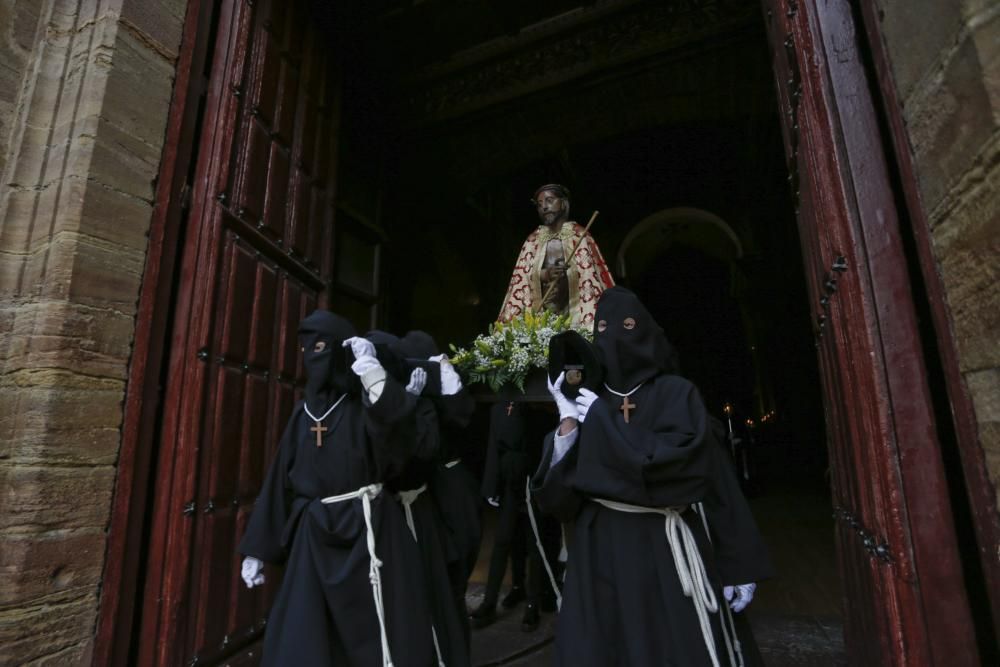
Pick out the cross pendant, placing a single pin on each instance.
(626, 407)
(510, 408)
(319, 430)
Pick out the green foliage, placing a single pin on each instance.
(511, 350)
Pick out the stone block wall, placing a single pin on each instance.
(85, 86)
(945, 60)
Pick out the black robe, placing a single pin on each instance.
(432, 536)
(324, 613)
(623, 603)
(455, 491)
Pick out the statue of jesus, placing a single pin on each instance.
(545, 276)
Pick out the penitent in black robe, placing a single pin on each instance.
(623, 603)
(455, 491)
(432, 536)
(325, 613)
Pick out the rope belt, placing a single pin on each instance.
(687, 561)
(366, 494)
(538, 543)
(452, 464)
(728, 630)
(407, 498)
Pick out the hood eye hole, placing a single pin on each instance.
(629, 323)
(602, 325)
(320, 346)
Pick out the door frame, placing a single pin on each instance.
(980, 489)
(122, 582)
(912, 575)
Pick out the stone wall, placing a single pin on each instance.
(85, 86)
(945, 59)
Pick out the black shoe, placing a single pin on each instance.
(514, 597)
(529, 622)
(483, 615)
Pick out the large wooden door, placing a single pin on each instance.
(257, 255)
(905, 598)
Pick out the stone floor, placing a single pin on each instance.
(796, 617)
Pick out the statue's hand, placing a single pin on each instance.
(553, 273)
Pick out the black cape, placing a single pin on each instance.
(623, 603)
(324, 613)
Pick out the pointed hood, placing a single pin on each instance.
(326, 370)
(631, 344)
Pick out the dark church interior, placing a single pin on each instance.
(662, 117)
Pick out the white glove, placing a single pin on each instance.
(364, 355)
(494, 501)
(739, 596)
(252, 571)
(418, 380)
(451, 384)
(567, 408)
(584, 400)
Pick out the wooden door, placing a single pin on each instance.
(257, 256)
(905, 600)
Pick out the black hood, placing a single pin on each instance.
(327, 374)
(415, 350)
(571, 353)
(389, 355)
(631, 344)
(418, 345)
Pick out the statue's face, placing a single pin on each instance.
(551, 207)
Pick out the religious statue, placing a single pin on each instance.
(560, 268)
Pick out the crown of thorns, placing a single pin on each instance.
(560, 190)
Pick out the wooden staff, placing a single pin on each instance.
(572, 256)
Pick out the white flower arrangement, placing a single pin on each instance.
(511, 350)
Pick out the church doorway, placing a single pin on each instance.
(346, 159)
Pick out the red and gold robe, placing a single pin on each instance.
(587, 275)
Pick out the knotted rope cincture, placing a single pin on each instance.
(688, 563)
(367, 494)
(728, 625)
(407, 499)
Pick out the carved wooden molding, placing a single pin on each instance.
(568, 47)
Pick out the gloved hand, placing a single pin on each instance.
(252, 571)
(567, 408)
(494, 501)
(450, 382)
(418, 380)
(739, 596)
(364, 355)
(584, 400)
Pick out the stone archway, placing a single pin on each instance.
(679, 225)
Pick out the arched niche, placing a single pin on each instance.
(676, 226)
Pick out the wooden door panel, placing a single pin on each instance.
(265, 99)
(256, 161)
(285, 123)
(896, 550)
(276, 204)
(237, 369)
(265, 314)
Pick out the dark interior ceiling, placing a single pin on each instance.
(416, 33)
